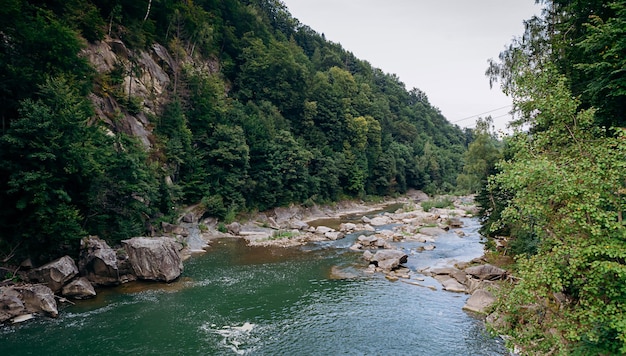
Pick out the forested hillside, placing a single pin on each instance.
(117, 113)
(559, 192)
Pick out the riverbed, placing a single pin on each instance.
(242, 300)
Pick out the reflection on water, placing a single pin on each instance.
(263, 301)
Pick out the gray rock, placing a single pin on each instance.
(298, 225)
(356, 247)
(55, 274)
(347, 227)
(479, 301)
(174, 229)
(455, 222)
(188, 218)
(79, 288)
(380, 220)
(367, 240)
(367, 255)
(323, 230)
(154, 258)
(334, 235)
(39, 298)
(486, 272)
(234, 228)
(432, 231)
(389, 259)
(452, 285)
(98, 262)
(10, 304)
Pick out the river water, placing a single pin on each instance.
(240, 300)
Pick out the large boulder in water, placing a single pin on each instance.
(55, 274)
(38, 298)
(389, 259)
(155, 259)
(98, 262)
(79, 288)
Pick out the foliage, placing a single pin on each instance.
(568, 187)
(260, 111)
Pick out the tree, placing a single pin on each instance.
(480, 158)
(567, 183)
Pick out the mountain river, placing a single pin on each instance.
(241, 300)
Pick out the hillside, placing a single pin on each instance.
(116, 114)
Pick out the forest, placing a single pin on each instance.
(260, 111)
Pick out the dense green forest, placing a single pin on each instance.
(559, 188)
(259, 111)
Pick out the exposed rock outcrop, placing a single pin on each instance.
(156, 259)
(55, 274)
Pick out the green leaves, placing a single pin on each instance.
(566, 179)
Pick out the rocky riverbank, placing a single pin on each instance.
(160, 258)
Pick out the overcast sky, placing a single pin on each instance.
(438, 46)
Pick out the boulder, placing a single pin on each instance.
(479, 301)
(98, 262)
(486, 272)
(389, 259)
(323, 230)
(455, 222)
(432, 231)
(298, 225)
(367, 255)
(188, 218)
(55, 274)
(380, 220)
(154, 258)
(334, 235)
(356, 247)
(10, 304)
(450, 284)
(79, 288)
(347, 227)
(38, 298)
(174, 229)
(234, 228)
(367, 241)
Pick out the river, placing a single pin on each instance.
(241, 300)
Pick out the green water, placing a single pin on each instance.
(260, 301)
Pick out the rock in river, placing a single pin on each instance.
(154, 258)
(55, 274)
(79, 288)
(389, 259)
(98, 262)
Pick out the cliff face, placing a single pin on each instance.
(144, 82)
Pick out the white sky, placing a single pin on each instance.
(438, 46)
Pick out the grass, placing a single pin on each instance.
(283, 235)
(439, 204)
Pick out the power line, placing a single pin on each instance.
(482, 113)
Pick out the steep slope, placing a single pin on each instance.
(233, 104)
